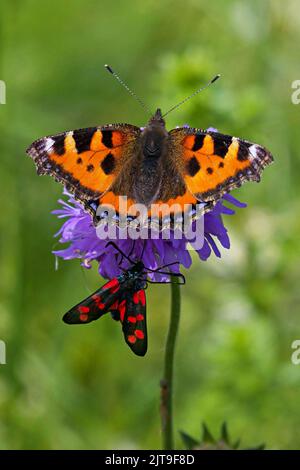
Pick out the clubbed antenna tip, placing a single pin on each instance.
(193, 94)
(215, 78)
(109, 69)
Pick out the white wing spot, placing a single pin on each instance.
(253, 152)
(48, 144)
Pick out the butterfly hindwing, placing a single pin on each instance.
(213, 164)
(132, 314)
(86, 161)
(96, 305)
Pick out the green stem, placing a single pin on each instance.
(166, 384)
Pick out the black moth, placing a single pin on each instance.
(124, 297)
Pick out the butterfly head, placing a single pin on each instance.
(157, 119)
(154, 136)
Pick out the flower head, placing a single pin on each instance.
(83, 243)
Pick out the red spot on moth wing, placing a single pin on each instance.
(114, 306)
(131, 339)
(97, 300)
(83, 309)
(83, 317)
(122, 308)
(139, 297)
(132, 319)
(142, 296)
(139, 334)
(113, 285)
(140, 317)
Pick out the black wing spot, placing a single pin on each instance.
(90, 168)
(83, 139)
(221, 147)
(79, 160)
(199, 138)
(243, 152)
(193, 166)
(107, 139)
(108, 164)
(221, 165)
(209, 170)
(59, 144)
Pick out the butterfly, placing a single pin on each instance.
(169, 172)
(124, 297)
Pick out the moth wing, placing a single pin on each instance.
(131, 311)
(96, 305)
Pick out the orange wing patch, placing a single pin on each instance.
(114, 208)
(92, 169)
(173, 207)
(121, 205)
(207, 144)
(86, 160)
(124, 211)
(215, 164)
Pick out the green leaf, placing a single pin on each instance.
(189, 442)
(236, 445)
(206, 435)
(224, 433)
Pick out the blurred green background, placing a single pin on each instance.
(81, 388)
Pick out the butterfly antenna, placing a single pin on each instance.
(143, 105)
(193, 94)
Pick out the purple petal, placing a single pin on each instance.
(233, 200)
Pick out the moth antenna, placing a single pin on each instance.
(143, 250)
(142, 104)
(193, 94)
(110, 243)
(88, 288)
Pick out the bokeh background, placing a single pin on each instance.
(81, 388)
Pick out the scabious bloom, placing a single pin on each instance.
(83, 243)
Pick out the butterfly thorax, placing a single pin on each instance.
(150, 160)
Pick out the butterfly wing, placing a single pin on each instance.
(213, 164)
(131, 311)
(96, 305)
(86, 161)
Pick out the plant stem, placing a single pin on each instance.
(166, 384)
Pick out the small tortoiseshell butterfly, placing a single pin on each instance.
(149, 165)
(124, 296)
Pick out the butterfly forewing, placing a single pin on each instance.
(86, 161)
(213, 164)
(96, 305)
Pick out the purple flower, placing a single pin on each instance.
(83, 243)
